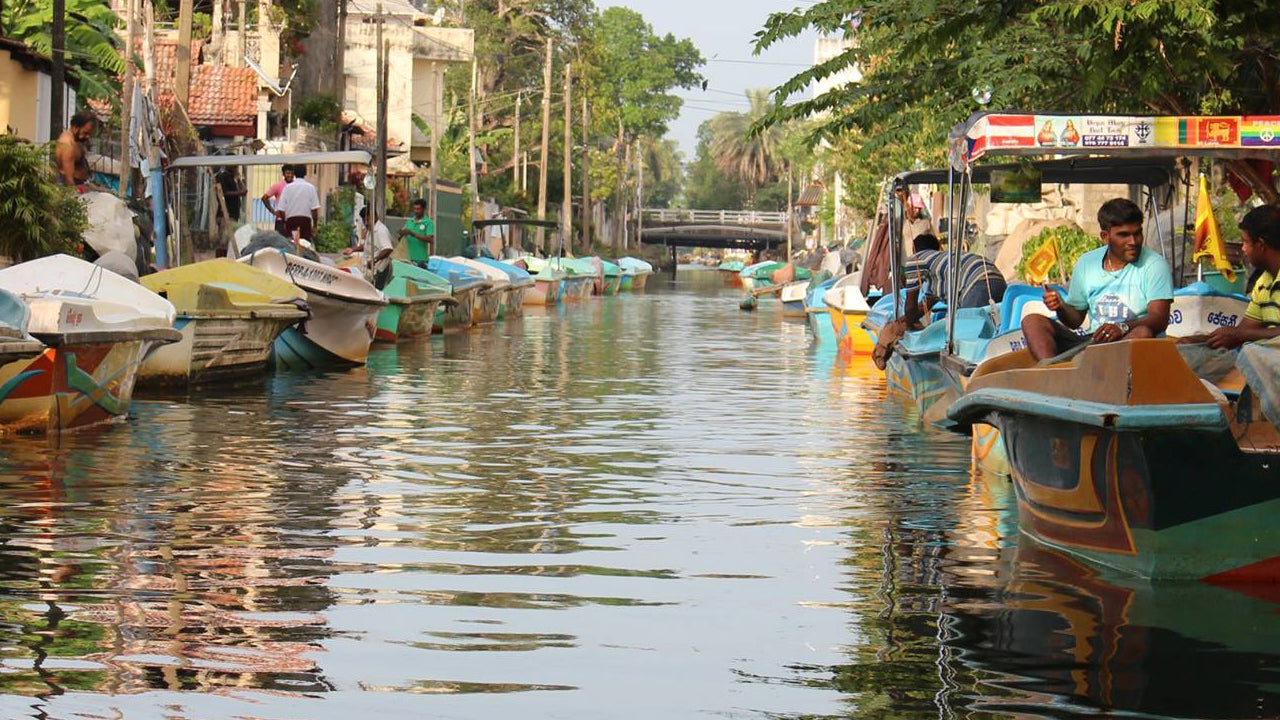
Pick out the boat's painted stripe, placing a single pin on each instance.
(16, 381)
(973, 405)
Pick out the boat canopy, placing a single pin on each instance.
(353, 157)
(1147, 171)
(1224, 136)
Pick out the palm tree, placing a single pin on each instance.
(93, 49)
(663, 171)
(756, 159)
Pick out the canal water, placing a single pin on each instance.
(646, 506)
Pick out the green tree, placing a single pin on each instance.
(663, 171)
(93, 49)
(923, 61)
(38, 215)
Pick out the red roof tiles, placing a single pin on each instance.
(220, 96)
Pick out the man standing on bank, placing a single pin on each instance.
(70, 155)
(299, 205)
(1123, 288)
(421, 231)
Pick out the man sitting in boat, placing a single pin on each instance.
(1260, 231)
(376, 239)
(1124, 289)
(927, 271)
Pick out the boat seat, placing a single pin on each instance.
(1021, 300)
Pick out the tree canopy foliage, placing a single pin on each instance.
(923, 62)
(93, 49)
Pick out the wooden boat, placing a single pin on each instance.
(818, 314)
(1123, 456)
(467, 285)
(344, 310)
(413, 296)
(96, 328)
(492, 298)
(848, 311)
(229, 314)
(548, 282)
(520, 281)
(635, 273)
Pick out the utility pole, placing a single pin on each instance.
(791, 214)
(340, 59)
(639, 195)
(182, 82)
(546, 141)
(566, 231)
(515, 152)
(437, 79)
(380, 191)
(126, 109)
(586, 173)
(471, 143)
(58, 75)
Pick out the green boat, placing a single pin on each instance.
(414, 295)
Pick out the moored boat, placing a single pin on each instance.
(467, 284)
(635, 273)
(580, 276)
(97, 328)
(492, 298)
(229, 314)
(792, 298)
(848, 310)
(818, 314)
(548, 282)
(413, 296)
(344, 310)
(519, 281)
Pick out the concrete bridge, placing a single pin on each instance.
(737, 229)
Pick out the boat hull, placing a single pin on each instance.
(458, 317)
(851, 337)
(793, 309)
(639, 281)
(820, 323)
(70, 387)
(343, 330)
(612, 284)
(1142, 503)
(404, 321)
(513, 302)
(215, 348)
(544, 292)
(487, 306)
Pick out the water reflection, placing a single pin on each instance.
(650, 506)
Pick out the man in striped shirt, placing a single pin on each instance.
(928, 277)
(1260, 231)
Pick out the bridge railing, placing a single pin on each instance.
(719, 217)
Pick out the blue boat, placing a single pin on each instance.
(468, 283)
(15, 343)
(513, 305)
(818, 315)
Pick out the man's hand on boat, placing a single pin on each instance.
(1230, 338)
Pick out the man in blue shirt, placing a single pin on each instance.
(1122, 288)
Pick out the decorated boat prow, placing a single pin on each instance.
(97, 328)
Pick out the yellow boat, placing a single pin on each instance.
(229, 314)
(848, 309)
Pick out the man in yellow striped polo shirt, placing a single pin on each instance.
(1260, 230)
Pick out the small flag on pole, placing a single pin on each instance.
(1042, 262)
(1208, 241)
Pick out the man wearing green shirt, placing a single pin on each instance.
(421, 231)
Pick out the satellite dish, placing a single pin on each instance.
(438, 16)
(370, 183)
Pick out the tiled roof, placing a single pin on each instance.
(219, 95)
(364, 137)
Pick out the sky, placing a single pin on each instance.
(723, 31)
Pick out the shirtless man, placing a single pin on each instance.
(70, 156)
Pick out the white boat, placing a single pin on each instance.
(491, 299)
(229, 314)
(344, 311)
(97, 327)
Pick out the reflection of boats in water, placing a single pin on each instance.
(1058, 628)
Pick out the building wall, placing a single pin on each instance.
(25, 100)
(361, 60)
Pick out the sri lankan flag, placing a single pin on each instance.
(1208, 241)
(1042, 262)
